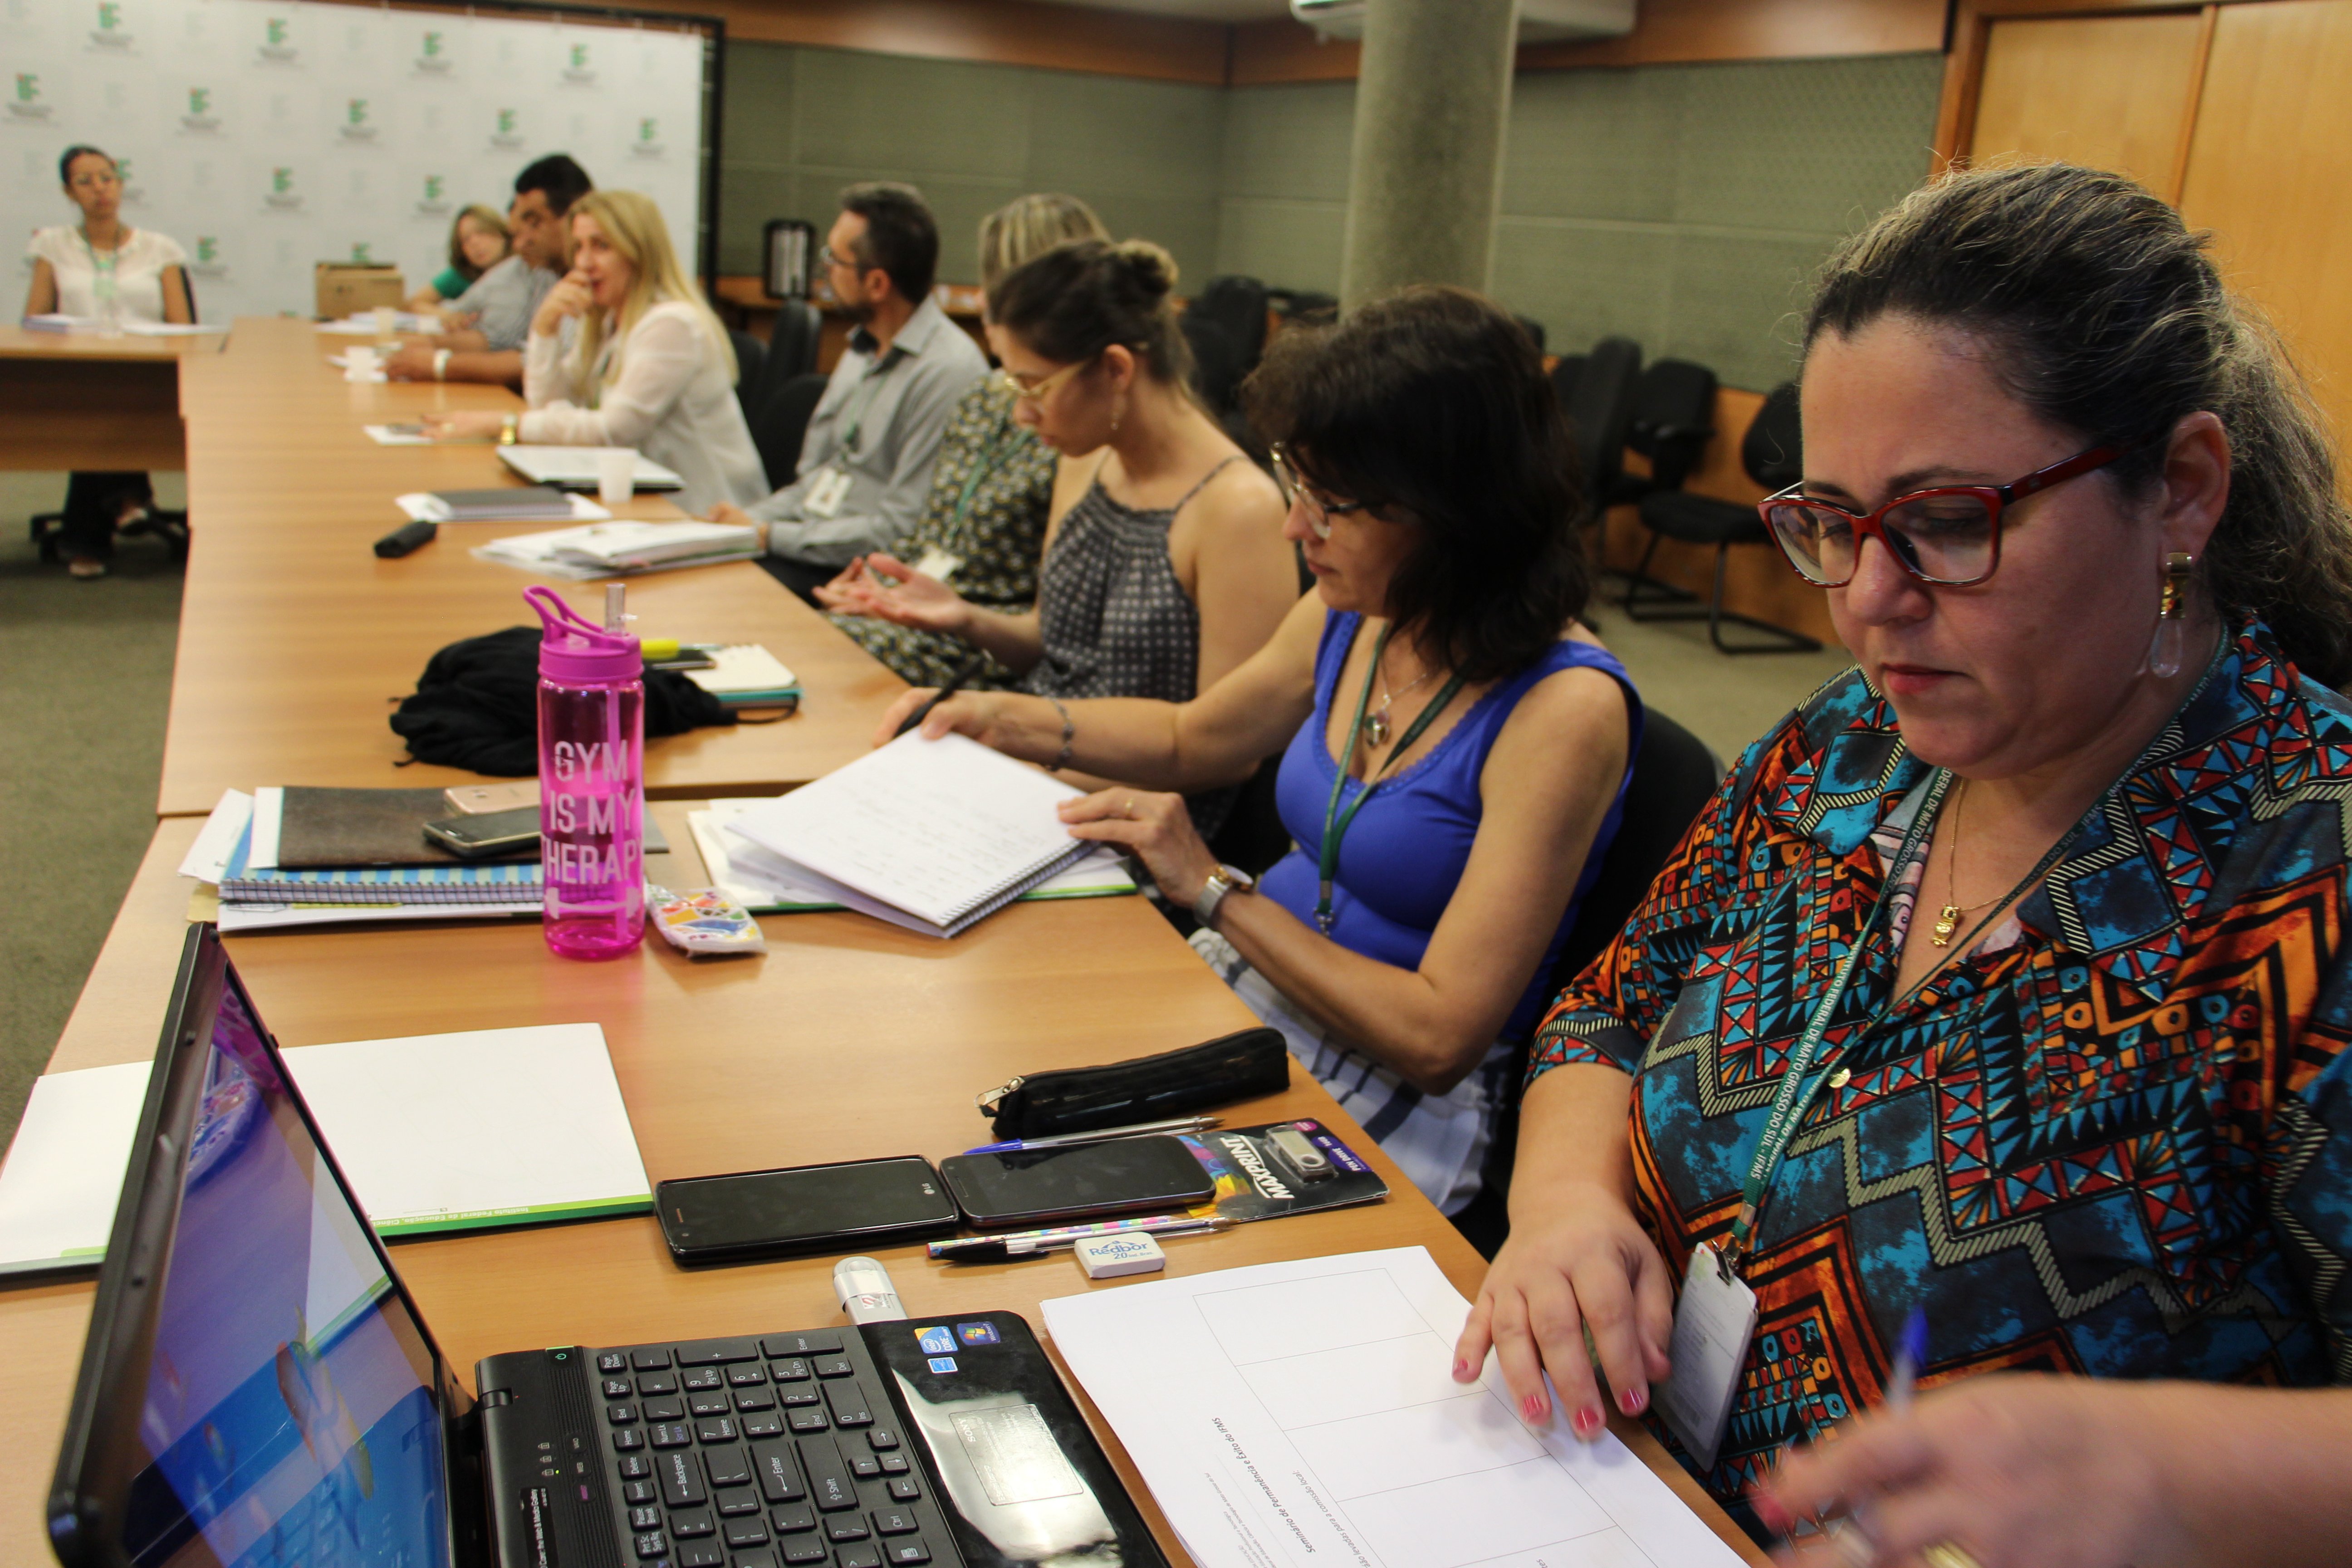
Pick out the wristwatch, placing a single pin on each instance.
(1222, 880)
(508, 431)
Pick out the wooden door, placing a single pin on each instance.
(2110, 93)
(2269, 172)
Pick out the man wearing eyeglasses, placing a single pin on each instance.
(865, 462)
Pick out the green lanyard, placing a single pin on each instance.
(866, 384)
(990, 460)
(1801, 1083)
(1335, 821)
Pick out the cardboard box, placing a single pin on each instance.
(350, 287)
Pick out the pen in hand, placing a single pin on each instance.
(965, 672)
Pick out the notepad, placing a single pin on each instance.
(559, 1146)
(1306, 1412)
(622, 549)
(745, 675)
(945, 831)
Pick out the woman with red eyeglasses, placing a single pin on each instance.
(1992, 1019)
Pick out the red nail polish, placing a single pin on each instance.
(1461, 1369)
(1586, 1421)
(1532, 1407)
(1633, 1400)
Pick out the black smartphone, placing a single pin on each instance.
(847, 1206)
(1118, 1175)
(491, 833)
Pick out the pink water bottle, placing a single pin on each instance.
(592, 795)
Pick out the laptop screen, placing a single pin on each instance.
(288, 1413)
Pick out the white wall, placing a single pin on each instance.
(265, 137)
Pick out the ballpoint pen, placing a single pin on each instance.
(1033, 1243)
(965, 672)
(1102, 1135)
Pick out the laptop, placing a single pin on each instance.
(259, 1388)
(575, 468)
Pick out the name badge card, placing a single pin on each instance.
(938, 564)
(828, 488)
(1714, 1323)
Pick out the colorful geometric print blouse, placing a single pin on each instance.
(991, 489)
(2115, 1137)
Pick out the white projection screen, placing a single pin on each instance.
(267, 137)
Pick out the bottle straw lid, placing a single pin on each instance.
(575, 650)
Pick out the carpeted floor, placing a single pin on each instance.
(88, 687)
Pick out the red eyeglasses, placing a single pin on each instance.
(1950, 536)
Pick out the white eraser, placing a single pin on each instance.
(1109, 1257)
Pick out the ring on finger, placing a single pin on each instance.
(1128, 809)
(1948, 1554)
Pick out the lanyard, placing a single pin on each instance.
(990, 459)
(866, 384)
(1335, 821)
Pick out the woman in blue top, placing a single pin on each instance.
(1455, 737)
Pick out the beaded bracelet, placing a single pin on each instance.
(1070, 733)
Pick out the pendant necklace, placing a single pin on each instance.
(1947, 919)
(1377, 728)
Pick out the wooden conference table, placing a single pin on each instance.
(850, 1038)
(296, 640)
(79, 401)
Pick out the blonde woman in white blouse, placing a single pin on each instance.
(78, 270)
(651, 367)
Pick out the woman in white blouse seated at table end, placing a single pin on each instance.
(652, 368)
(76, 269)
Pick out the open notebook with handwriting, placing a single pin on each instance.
(942, 831)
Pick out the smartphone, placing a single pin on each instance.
(477, 837)
(844, 1207)
(480, 800)
(1117, 1176)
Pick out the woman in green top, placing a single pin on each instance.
(983, 524)
(478, 242)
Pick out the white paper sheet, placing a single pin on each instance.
(934, 827)
(1302, 1415)
(395, 435)
(207, 857)
(423, 506)
(405, 1119)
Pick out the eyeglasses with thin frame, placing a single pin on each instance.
(1041, 389)
(1948, 536)
(828, 257)
(1297, 492)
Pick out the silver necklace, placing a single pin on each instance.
(1377, 728)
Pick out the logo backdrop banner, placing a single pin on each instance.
(265, 137)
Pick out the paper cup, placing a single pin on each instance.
(387, 323)
(616, 474)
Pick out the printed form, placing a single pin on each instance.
(1303, 1415)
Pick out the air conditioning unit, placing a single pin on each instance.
(1540, 20)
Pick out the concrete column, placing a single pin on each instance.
(1431, 97)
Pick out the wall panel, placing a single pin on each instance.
(2114, 92)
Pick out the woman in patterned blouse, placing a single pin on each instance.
(983, 524)
(2021, 946)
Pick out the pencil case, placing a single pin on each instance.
(1147, 1088)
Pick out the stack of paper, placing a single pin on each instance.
(623, 549)
(930, 835)
(363, 325)
(238, 852)
(1305, 1412)
(560, 1148)
(529, 503)
(764, 881)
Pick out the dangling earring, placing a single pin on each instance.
(2171, 617)
(1118, 411)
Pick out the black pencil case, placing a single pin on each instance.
(1147, 1088)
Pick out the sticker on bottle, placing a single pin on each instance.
(1715, 1321)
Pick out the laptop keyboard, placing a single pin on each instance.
(776, 1452)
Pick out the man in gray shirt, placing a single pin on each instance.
(507, 296)
(865, 463)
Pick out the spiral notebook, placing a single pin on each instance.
(942, 831)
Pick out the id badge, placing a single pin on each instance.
(938, 564)
(1715, 1322)
(826, 491)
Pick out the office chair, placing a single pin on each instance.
(782, 423)
(793, 343)
(1533, 328)
(751, 370)
(1600, 407)
(1673, 777)
(1238, 305)
(1772, 454)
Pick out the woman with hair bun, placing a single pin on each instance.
(1165, 566)
(1992, 1020)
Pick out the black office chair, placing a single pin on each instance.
(1674, 419)
(1773, 454)
(751, 370)
(1236, 304)
(1600, 407)
(793, 343)
(1673, 777)
(1533, 328)
(781, 423)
